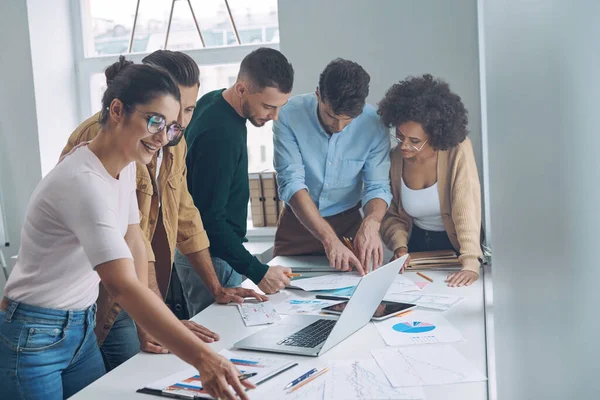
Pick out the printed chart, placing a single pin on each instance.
(363, 379)
(425, 365)
(303, 306)
(419, 327)
(434, 301)
(258, 313)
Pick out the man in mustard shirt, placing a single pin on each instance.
(168, 218)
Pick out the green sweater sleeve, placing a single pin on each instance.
(211, 168)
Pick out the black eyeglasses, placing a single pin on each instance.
(157, 122)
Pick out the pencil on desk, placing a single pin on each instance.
(290, 275)
(424, 276)
(312, 378)
(402, 314)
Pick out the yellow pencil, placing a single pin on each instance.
(424, 276)
(312, 378)
(289, 275)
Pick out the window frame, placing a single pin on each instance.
(86, 67)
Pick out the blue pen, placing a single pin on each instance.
(300, 378)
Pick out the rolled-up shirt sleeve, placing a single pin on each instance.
(287, 160)
(376, 171)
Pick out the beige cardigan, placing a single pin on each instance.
(460, 204)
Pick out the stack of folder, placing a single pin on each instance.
(439, 259)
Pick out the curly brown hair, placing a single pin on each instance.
(429, 102)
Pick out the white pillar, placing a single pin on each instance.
(542, 72)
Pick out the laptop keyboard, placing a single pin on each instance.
(311, 335)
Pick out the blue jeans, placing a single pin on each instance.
(197, 295)
(121, 343)
(46, 353)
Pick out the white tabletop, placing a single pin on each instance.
(467, 316)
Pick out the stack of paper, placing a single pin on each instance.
(439, 259)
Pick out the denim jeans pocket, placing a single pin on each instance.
(42, 337)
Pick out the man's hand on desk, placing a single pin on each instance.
(399, 252)
(236, 295)
(367, 244)
(462, 278)
(340, 257)
(275, 279)
(149, 345)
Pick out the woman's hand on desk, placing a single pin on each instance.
(462, 278)
(218, 373)
(399, 252)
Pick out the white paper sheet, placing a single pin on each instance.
(303, 306)
(401, 285)
(418, 327)
(187, 383)
(363, 379)
(425, 365)
(258, 313)
(434, 301)
(337, 280)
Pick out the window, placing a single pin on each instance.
(204, 29)
(141, 26)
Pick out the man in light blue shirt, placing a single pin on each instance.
(331, 155)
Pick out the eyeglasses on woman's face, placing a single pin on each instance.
(401, 141)
(157, 122)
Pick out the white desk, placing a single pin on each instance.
(467, 316)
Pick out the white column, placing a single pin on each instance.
(542, 72)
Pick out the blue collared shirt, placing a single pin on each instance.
(338, 170)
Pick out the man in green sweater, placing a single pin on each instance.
(217, 164)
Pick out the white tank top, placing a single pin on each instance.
(423, 206)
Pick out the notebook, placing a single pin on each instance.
(187, 384)
(439, 259)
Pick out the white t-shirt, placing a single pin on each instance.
(77, 218)
(424, 207)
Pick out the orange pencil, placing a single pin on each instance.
(290, 275)
(424, 276)
(402, 314)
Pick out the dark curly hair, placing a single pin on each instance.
(345, 86)
(429, 102)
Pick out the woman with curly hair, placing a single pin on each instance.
(436, 193)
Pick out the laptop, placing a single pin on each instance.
(313, 335)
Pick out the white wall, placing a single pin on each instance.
(54, 76)
(543, 94)
(20, 168)
(391, 39)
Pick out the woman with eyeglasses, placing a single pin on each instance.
(436, 193)
(82, 227)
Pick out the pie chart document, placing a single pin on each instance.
(418, 327)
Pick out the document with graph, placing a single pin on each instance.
(418, 327)
(188, 384)
(426, 365)
(327, 282)
(440, 302)
(363, 379)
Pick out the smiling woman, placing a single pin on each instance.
(82, 227)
